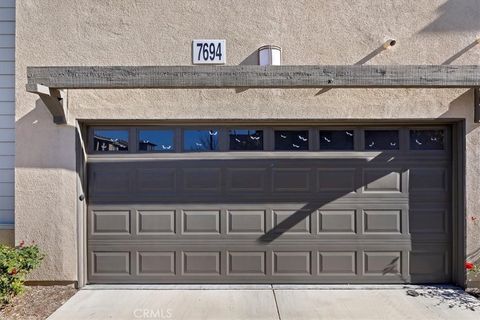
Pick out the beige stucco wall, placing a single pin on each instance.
(156, 32)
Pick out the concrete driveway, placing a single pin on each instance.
(269, 302)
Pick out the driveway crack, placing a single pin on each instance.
(276, 304)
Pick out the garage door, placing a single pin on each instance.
(269, 205)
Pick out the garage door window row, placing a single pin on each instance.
(211, 139)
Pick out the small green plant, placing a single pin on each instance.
(15, 264)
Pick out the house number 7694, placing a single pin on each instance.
(208, 52)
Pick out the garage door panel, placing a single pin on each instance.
(291, 180)
(289, 217)
(382, 180)
(114, 263)
(429, 221)
(291, 221)
(110, 222)
(110, 183)
(156, 222)
(201, 263)
(429, 264)
(428, 179)
(383, 221)
(239, 221)
(336, 179)
(382, 263)
(247, 263)
(202, 180)
(337, 263)
(294, 263)
(156, 263)
(246, 221)
(240, 262)
(156, 181)
(337, 221)
(201, 222)
(246, 179)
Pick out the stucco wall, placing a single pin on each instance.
(125, 32)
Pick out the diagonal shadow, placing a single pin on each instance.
(382, 159)
(289, 223)
(461, 52)
(455, 16)
(251, 60)
(364, 60)
(391, 267)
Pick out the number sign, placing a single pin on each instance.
(209, 51)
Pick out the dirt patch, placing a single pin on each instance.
(37, 302)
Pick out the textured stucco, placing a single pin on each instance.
(125, 32)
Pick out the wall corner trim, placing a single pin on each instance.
(476, 106)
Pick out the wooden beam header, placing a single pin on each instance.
(314, 76)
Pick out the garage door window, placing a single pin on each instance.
(110, 140)
(341, 140)
(200, 140)
(170, 139)
(242, 139)
(156, 141)
(381, 140)
(426, 140)
(291, 140)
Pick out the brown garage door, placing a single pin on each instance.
(269, 205)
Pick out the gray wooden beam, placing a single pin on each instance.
(354, 76)
(54, 99)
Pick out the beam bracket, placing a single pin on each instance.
(54, 99)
